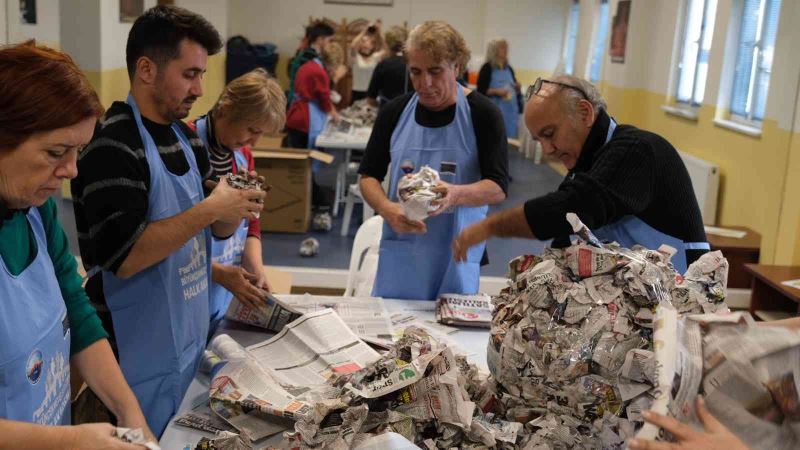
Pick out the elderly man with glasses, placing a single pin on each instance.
(627, 184)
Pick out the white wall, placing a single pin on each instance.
(215, 11)
(3, 19)
(80, 32)
(534, 30)
(46, 29)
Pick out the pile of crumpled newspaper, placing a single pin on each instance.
(415, 193)
(360, 113)
(571, 347)
(419, 390)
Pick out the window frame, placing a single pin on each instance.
(691, 104)
(599, 42)
(756, 72)
(572, 26)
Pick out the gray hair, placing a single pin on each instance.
(491, 50)
(571, 97)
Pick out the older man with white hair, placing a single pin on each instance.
(627, 184)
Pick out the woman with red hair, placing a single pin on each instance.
(48, 112)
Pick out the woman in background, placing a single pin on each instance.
(497, 81)
(366, 50)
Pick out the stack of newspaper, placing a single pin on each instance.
(747, 372)
(464, 310)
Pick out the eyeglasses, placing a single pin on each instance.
(537, 86)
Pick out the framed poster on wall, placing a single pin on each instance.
(619, 32)
(27, 12)
(129, 10)
(362, 2)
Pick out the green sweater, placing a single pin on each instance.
(18, 250)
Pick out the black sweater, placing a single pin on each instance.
(637, 173)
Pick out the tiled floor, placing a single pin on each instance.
(281, 249)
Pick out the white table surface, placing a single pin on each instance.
(175, 437)
(355, 140)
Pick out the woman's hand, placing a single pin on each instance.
(714, 437)
(95, 436)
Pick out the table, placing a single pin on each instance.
(356, 139)
(769, 295)
(474, 340)
(739, 252)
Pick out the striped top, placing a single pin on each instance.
(110, 192)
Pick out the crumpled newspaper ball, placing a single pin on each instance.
(309, 247)
(415, 193)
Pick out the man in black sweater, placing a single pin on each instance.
(628, 185)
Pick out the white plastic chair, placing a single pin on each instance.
(364, 258)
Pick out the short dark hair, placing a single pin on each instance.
(318, 30)
(157, 34)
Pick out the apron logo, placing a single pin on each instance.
(34, 366)
(448, 167)
(407, 166)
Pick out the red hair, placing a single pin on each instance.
(41, 89)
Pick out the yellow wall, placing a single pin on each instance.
(756, 172)
(113, 85)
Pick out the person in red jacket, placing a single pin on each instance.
(312, 103)
(311, 107)
(250, 106)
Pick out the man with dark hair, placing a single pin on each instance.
(144, 222)
(317, 36)
(627, 184)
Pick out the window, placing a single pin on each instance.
(572, 36)
(754, 54)
(601, 33)
(693, 62)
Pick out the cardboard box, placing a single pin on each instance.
(288, 205)
(279, 281)
(271, 141)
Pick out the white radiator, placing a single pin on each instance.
(705, 181)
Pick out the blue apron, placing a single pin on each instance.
(421, 267)
(227, 252)
(160, 315)
(631, 230)
(34, 340)
(502, 78)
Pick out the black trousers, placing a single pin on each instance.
(298, 139)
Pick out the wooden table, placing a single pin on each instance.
(739, 252)
(769, 294)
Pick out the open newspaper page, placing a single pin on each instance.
(284, 375)
(366, 316)
(310, 350)
(465, 310)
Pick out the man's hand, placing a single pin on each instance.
(241, 283)
(471, 236)
(715, 437)
(95, 436)
(394, 214)
(233, 205)
(451, 195)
